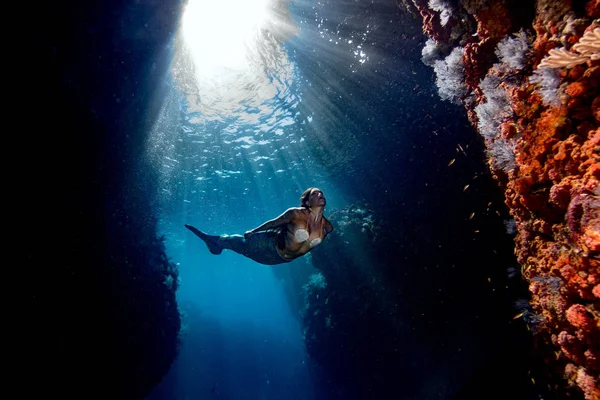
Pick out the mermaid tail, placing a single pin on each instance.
(260, 247)
(212, 242)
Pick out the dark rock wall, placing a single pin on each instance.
(99, 317)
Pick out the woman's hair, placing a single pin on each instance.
(305, 196)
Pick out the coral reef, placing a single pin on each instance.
(532, 71)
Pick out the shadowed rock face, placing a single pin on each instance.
(390, 314)
(101, 319)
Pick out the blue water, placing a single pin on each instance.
(227, 168)
(411, 297)
(345, 105)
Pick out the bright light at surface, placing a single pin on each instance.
(218, 32)
(231, 63)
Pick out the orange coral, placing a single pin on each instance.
(538, 139)
(596, 108)
(552, 198)
(554, 193)
(577, 89)
(592, 8)
(493, 21)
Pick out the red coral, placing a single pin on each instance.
(560, 195)
(493, 21)
(596, 108)
(576, 72)
(432, 25)
(508, 130)
(577, 89)
(554, 193)
(477, 59)
(571, 347)
(583, 219)
(588, 384)
(592, 8)
(578, 316)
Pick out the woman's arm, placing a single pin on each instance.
(283, 219)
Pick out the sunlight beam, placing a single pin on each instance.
(218, 32)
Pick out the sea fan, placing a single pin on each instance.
(588, 48)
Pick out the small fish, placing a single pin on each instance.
(451, 162)
(519, 315)
(465, 188)
(461, 149)
(472, 215)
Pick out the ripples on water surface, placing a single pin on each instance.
(314, 87)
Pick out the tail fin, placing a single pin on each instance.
(212, 242)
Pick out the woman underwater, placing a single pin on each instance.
(291, 235)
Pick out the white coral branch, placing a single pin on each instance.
(588, 48)
(562, 58)
(589, 44)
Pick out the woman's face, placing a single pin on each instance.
(316, 198)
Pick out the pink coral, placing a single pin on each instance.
(583, 218)
(559, 195)
(571, 347)
(578, 316)
(588, 384)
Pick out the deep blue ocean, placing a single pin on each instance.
(345, 105)
(411, 297)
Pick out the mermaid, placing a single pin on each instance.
(280, 240)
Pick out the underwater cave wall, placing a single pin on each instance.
(397, 304)
(527, 74)
(99, 316)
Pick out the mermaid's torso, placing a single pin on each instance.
(301, 235)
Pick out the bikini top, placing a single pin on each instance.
(302, 235)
